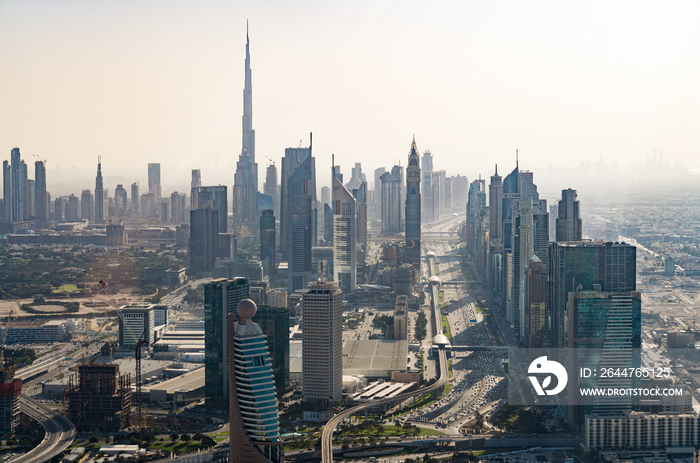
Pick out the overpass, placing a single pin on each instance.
(59, 431)
(329, 428)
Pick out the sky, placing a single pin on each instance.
(162, 81)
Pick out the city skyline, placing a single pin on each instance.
(599, 72)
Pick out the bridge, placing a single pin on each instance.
(59, 432)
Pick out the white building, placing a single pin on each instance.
(277, 298)
(642, 431)
(322, 346)
(134, 320)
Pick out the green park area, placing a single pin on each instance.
(68, 288)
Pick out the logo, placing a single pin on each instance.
(551, 368)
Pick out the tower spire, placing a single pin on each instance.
(497, 168)
(516, 158)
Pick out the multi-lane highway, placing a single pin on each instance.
(59, 432)
(329, 429)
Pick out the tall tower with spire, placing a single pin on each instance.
(99, 194)
(245, 186)
(413, 217)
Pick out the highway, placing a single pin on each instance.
(329, 428)
(59, 432)
(327, 436)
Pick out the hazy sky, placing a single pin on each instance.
(162, 81)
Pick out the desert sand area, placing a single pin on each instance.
(88, 305)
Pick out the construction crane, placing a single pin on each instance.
(142, 341)
(271, 161)
(39, 158)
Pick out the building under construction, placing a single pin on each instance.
(10, 390)
(100, 398)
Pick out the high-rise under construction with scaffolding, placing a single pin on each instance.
(100, 398)
(10, 390)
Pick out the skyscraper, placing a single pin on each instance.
(391, 201)
(120, 203)
(274, 321)
(325, 195)
(221, 297)
(605, 331)
(99, 194)
(344, 238)
(246, 178)
(476, 201)
(322, 343)
(588, 265)
(272, 189)
(135, 198)
(413, 209)
(15, 159)
(460, 191)
(377, 193)
(361, 199)
(518, 187)
(87, 208)
(569, 217)
(215, 198)
(7, 191)
(177, 214)
(154, 180)
(293, 158)
(427, 179)
(300, 227)
(536, 304)
(194, 188)
(16, 190)
(204, 239)
(268, 238)
(254, 417)
(41, 206)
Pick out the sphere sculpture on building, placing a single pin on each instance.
(246, 309)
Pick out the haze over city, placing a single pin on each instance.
(161, 82)
(502, 263)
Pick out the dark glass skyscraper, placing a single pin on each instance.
(293, 158)
(301, 188)
(204, 239)
(268, 237)
(41, 206)
(413, 209)
(274, 322)
(215, 198)
(221, 298)
(154, 180)
(585, 266)
(569, 217)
